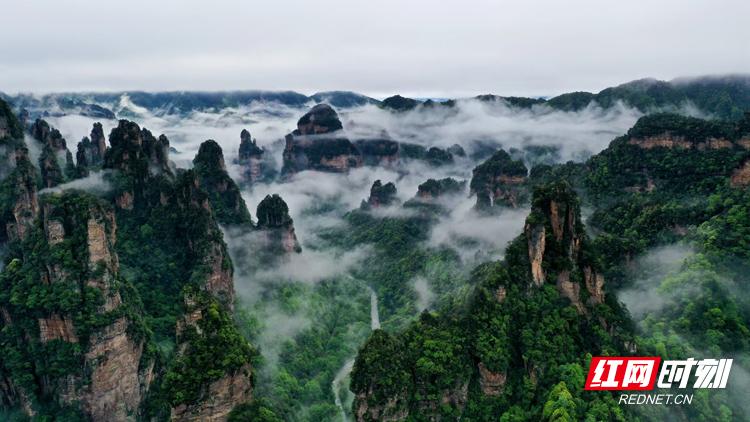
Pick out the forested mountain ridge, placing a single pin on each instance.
(478, 360)
(119, 307)
(719, 96)
(531, 320)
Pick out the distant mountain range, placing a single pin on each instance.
(717, 96)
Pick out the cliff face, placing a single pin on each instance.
(499, 181)
(55, 161)
(226, 199)
(22, 207)
(198, 333)
(672, 154)
(104, 376)
(250, 158)
(381, 195)
(555, 238)
(318, 144)
(75, 328)
(91, 150)
(381, 151)
(138, 156)
(276, 226)
(432, 189)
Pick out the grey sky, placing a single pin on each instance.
(413, 47)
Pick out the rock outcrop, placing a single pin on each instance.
(207, 329)
(250, 158)
(109, 378)
(507, 341)
(741, 176)
(381, 151)
(432, 189)
(319, 144)
(224, 194)
(10, 126)
(381, 195)
(55, 161)
(91, 150)
(277, 226)
(23, 204)
(399, 104)
(139, 156)
(555, 238)
(500, 181)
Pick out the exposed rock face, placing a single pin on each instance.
(432, 189)
(277, 226)
(499, 181)
(114, 361)
(224, 195)
(56, 327)
(55, 161)
(381, 195)
(741, 176)
(392, 410)
(491, 383)
(322, 118)
(137, 152)
(554, 235)
(667, 140)
(208, 244)
(317, 144)
(378, 151)
(502, 345)
(138, 155)
(101, 230)
(536, 237)
(433, 156)
(22, 182)
(250, 157)
(109, 384)
(10, 127)
(215, 399)
(90, 153)
(221, 397)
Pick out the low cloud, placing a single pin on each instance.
(645, 295)
(95, 183)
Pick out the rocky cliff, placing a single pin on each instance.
(276, 227)
(250, 158)
(381, 151)
(226, 199)
(381, 195)
(319, 144)
(80, 340)
(89, 345)
(500, 181)
(55, 161)
(138, 157)
(91, 150)
(20, 204)
(672, 154)
(432, 189)
(208, 342)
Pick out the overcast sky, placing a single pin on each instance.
(377, 47)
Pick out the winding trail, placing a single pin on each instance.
(349, 364)
(374, 314)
